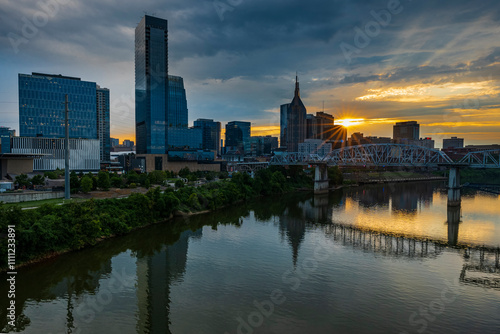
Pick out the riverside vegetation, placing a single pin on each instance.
(52, 229)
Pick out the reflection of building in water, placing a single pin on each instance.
(407, 197)
(293, 226)
(155, 274)
(482, 268)
(370, 197)
(316, 210)
(293, 221)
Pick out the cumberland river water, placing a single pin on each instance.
(377, 259)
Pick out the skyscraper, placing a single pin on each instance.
(237, 133)
(177, 115)
(283, 123)
(320, 126)
(296, 121)
(406, 132)
(211, 133)
(103, 126)
(41, 109)
(151, 85)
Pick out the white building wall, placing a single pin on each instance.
(84, 154)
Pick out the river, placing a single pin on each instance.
(377, 259)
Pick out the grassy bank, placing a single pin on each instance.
(355, 177)
(53, 228)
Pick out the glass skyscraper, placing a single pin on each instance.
(177, 115)
(103, 124)
(42, 110)
(211, 134)
(237, 133)
(151, 85)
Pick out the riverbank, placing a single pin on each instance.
(51, 230)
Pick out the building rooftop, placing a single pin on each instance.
(54, 76)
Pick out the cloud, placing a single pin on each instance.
(243, 66)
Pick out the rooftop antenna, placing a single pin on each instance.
(323, 105)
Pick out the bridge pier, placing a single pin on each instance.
(321, 179)
(454, 196)
(453, 224)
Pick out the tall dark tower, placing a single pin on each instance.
(151, 85)
(296, 121)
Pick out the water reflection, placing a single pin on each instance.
(409, 222)
(453, 222)
(156, 273)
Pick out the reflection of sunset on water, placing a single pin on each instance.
(421, 213)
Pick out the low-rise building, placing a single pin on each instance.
(315, 146)
(50, 153)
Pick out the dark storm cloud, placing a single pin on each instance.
(243, 65)
(485, 66)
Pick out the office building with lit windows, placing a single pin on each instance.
(42, 109)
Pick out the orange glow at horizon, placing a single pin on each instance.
(348, 122)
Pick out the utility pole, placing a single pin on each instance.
(66, 154)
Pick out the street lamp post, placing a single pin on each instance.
(66, 152)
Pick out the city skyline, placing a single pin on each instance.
(370, 63)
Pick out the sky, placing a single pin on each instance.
(371, 63)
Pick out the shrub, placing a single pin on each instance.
(86, 184)
(103, 181)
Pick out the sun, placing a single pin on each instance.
(348, 122)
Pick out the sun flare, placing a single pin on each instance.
(347, 122)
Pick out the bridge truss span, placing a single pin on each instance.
(387, 155)
(482, 159)
(371, 155)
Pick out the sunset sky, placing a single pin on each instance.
(371, 62)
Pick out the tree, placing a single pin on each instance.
(116, 182)
(179, 184)
(74, 181)
(103, 181)
(157, 177)
(38, 180)
(132, 177)
(94, 180)
(22, 180)
(86, 184)
(335, 175)
(184, 172)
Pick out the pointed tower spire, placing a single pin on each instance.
(297, 90)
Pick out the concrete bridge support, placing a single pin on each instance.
(321, 179)
(454, 197)
(453, 224)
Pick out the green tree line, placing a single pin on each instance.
(52, 228)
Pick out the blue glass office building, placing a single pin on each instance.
(177, 115)
(42, 110)
(237, 133)
(211, 134)
(41, 106)
(151, 85)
